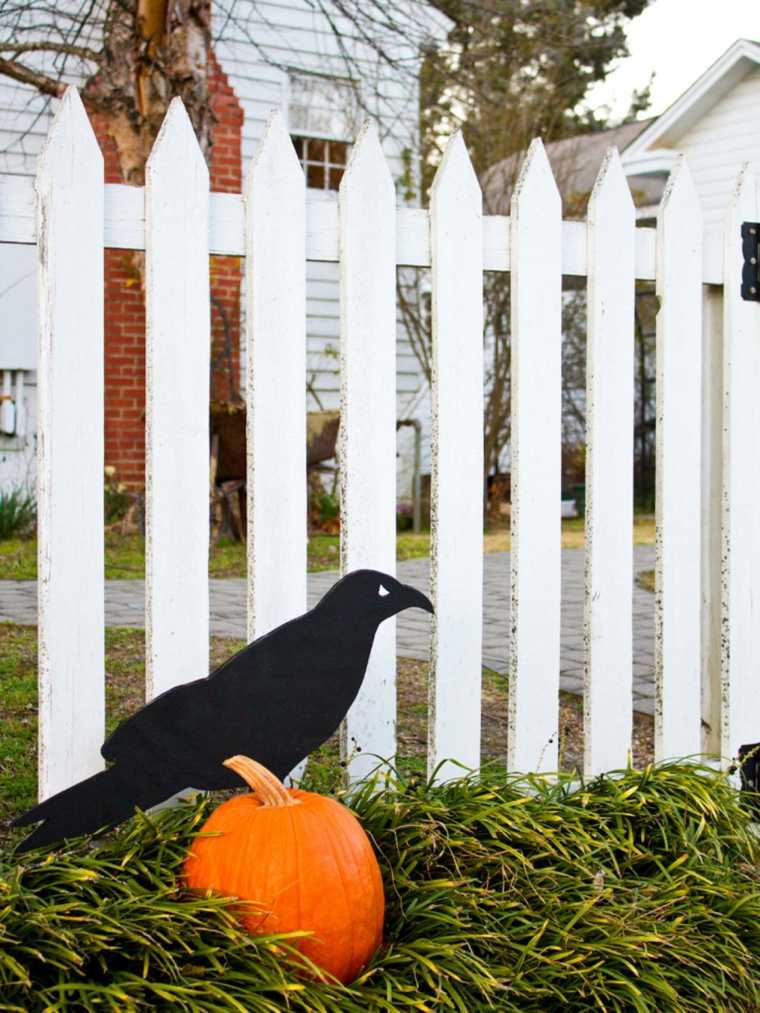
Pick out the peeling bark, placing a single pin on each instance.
(153, 50)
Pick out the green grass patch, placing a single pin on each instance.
(638, 892)
(125, 556)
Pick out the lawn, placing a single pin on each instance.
(125, 553)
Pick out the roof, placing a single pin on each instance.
(664, 131)
(575, 162)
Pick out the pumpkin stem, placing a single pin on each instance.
(269, 788)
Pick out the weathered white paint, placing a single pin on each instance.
(125, 229)
(678, 592)
(276, 417)
(457, 465)
(177, 407)
(367, 440)
(740, 627)
(69, 188)
(608, 629)
(536, 430)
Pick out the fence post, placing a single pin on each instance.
(367, 439)
(177, 407)
(276, 398)
(608, 629)
(457, 464)
(740, 560)
(536, 263)
(678, 472)
(69, 187)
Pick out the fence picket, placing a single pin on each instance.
(608, 629)
(678, 596)
(177, 407)
(536, 250)
(457, 464)
(276, 333)
(69, 187)
(367, 440)
(740, 605)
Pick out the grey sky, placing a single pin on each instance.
(678, 39)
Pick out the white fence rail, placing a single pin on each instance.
(178, 223)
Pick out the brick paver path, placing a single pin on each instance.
(125, 604)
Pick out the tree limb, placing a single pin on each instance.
(47, 85)
(50, 47)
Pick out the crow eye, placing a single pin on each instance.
(383, 591)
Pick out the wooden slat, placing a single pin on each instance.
(678, 594)
(740, 627)
(535, 448)
(457, 465)
(367, 440)
(177, 408)
(276, 417)
(609, 472)
(69, 187)
(125, 229)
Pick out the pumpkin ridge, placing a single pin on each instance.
(297, 859)
(347, 902)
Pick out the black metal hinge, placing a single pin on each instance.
(751, 256)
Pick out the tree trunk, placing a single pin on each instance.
(153, 50)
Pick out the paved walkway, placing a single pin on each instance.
(125, 604)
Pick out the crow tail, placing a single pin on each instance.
(97, 803)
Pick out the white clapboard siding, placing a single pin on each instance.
(69, 188)
(740, 664)
(678, 594)
(536, 245)
(457, 464)
(276, 416)
(608, 627)
(177, 407)
(367, 439)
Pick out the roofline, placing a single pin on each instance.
(706, 90)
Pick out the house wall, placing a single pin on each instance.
(292, 37)
(717, 145)
(258, 50)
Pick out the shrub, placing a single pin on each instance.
(635, 892)
(18, 513)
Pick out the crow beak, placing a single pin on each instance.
(416, 599)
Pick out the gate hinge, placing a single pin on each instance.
(751, 257)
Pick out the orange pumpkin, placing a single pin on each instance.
(303, 860)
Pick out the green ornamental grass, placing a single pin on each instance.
(639, 891)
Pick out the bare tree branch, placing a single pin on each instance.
(43, 83)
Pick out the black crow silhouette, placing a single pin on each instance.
(275, 701)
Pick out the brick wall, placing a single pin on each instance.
(125, 306)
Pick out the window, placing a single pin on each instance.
(323, 117)
(323, 161)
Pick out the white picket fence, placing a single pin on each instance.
(708, 434)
